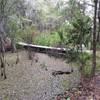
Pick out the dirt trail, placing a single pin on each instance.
(31, 80)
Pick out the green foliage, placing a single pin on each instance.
(14, 30)
(17, 33)
(85, 57)
(87, 71)
(28, 34)
(76, 56)
(98, 45)
(80, 31)
(72, 55)
(63, 31)
(87, 65)
(76, 33)
(47, 39)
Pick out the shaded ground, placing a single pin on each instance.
(90, 91)
(32, 80)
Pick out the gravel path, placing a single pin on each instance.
(31, 80)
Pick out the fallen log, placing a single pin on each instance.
(54, 73)
(42, 49)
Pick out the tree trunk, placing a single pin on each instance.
(13, 45)
(94, 40)
(29, 41)
(98, 35)
(2, 51)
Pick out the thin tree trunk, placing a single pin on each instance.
(94, 40)
(2, 51)
(98, 35)
(13, 45)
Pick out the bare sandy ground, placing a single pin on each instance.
(31, 80)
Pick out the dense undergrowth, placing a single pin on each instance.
(47, 39)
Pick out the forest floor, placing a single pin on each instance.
(33, 79)
(89, 91)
